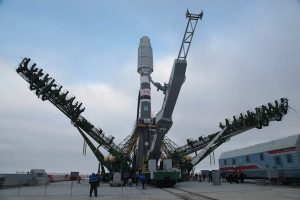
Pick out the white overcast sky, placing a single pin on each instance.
(244, 54)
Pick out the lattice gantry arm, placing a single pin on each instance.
(189, 32)
(47, 88)
(259, 118)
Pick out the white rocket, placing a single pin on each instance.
(145, 68)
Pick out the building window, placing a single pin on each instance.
(146, 108)
(261, 156)
(225, 163)
(233, 161)
(277, 160)
(289, 158)
(247, 159)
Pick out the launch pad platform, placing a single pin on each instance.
(185, 190)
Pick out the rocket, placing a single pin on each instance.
(145, 68)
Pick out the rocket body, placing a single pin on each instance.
(145, 68)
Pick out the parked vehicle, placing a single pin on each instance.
(277, 161)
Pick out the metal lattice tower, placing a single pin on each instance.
(189, 33)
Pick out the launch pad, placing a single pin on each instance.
(147, 149)
(183, 190)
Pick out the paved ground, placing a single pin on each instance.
(184, 190)
(246, 191)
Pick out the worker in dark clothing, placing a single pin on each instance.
(229, 177)
(93, 182)
(125, 177)
(142, 178)
(223, 176)
(203, 177)
(196, 177)
(210, 176)
(242, 177)
(236, 177)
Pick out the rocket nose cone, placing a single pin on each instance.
(145, 42)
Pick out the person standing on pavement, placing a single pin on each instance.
(93, 180)
(210, 176)
(142, 178)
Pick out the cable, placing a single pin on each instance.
(293, 109)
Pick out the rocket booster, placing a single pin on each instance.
(145, 68)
